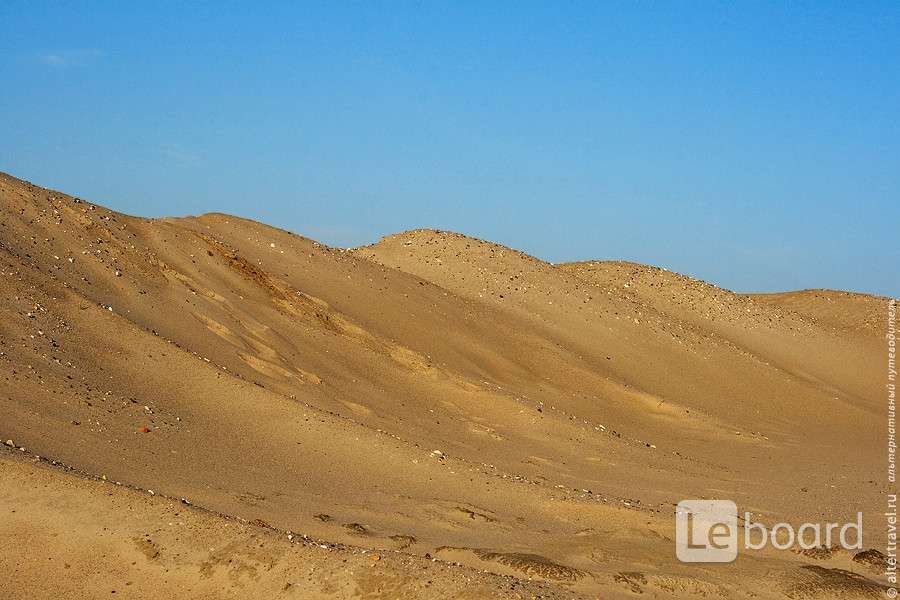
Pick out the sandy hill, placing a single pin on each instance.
(432, 399)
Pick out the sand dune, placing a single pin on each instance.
(486, 423)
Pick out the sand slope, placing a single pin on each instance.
(430, 394)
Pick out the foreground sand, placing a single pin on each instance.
(432, 399)
(69, 537)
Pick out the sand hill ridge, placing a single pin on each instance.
(449, 416)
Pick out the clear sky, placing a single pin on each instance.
(755, 145)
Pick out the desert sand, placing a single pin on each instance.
(209, 407)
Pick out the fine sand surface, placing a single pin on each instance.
(432, 416)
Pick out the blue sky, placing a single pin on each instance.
(754, 145)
